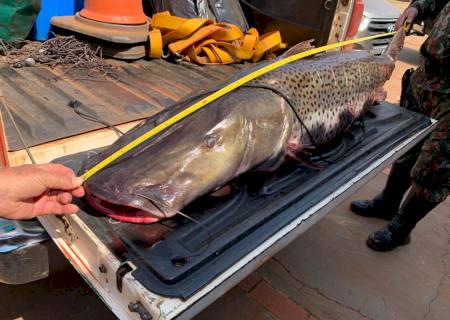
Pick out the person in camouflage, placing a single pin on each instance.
(425, 169)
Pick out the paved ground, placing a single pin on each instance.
(327, 273)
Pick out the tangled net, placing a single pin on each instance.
(65, 51)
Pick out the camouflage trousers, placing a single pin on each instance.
(429, 161)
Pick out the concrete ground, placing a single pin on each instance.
(327, 273)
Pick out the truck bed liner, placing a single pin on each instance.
(39, 96)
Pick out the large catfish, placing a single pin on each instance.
(293, 108)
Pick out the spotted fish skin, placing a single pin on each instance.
(328, 93)
(247, 129)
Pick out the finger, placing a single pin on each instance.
(78, 192)
(57, 195)
(57, 181)
(400, 22)
(64, 197)
(410, 17)
(56, 208)
(52, 195)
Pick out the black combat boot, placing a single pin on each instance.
(397, 231)
(386, 204)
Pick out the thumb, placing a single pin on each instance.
(412, 14)
(400, 22)
(59, 181)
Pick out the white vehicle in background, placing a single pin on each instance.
(379, 16)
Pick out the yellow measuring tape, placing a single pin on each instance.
(216, 95)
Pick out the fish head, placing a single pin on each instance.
(193, 157)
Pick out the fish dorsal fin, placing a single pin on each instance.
(298, 48)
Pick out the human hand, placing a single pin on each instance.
(32, 190)
(407, 16)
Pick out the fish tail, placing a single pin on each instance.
(396, 45)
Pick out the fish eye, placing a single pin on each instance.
(211, 141)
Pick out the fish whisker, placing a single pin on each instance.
(156, 203)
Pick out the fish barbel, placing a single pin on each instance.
(282, 113)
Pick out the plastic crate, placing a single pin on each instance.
(49, 9)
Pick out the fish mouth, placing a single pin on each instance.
(133, 208)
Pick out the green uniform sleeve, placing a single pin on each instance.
(436, 48)
(428, 9)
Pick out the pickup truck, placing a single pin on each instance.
(176, 268)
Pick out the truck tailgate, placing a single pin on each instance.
(176, 268)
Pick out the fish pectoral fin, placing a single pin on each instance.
(222, 191)
(380, 96)
(298, 48)
(305, 159)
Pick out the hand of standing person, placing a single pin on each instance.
(407, 16)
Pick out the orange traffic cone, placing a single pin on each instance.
(122, 23)
(118, 11)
